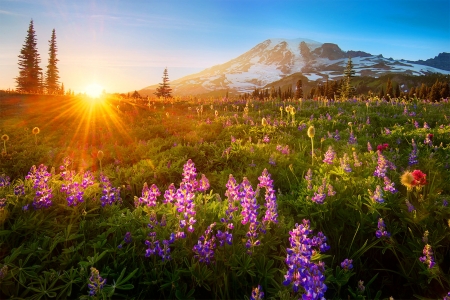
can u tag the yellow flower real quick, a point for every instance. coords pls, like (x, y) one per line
(36, 130)
(264, 122)
(407, 179)
(5, 137)
(311, 131)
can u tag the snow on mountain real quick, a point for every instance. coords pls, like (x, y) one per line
(274, 59)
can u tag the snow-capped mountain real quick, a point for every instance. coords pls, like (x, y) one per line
(274, 59)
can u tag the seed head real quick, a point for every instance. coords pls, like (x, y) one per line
(100, 154)
(35, 130)
(5, 137)
(311, 131)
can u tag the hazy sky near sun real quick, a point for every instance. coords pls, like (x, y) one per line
(125, 45)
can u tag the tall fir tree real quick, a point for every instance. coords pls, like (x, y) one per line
(389, 88)
(299, 89)
(347, 90)
(164, 89)
(52, 74)
(30, 76)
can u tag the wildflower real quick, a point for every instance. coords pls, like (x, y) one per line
(204, 250)
(425, 237)
(3, 271)
(96, 282)
(329, 156)
(347, 264)
(337, 136)
(311, 131)
(428, 256)
(378, 195)
(257, 293)
(361, 287)
(389, 185)
(272, 161)
(382, 166)
(19, 190)
(352, 138)
(203, 184)
(369, 147)
(266, 139)
(428, 139)
(382, 147)
(40, 177)
(407, 180)
(356, 160)
(35, 130)
(302, 272)
(425, 125)
(387, 131)
(344, 161)
(4, 181)
(381, 229)
(110, 194)
(266, 182)
(264, 122)
(420, 179)
(5, 137)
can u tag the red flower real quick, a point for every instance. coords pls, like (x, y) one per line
(382, 147)
(430, 136)
(419, 178)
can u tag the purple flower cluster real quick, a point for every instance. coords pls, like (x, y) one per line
(302, 272)
(356, 163)
(322, 192)
(127, 239)
(382, 166)
(96, 282)
(369, 147)
(381, 229)
(203, 184)
(428, 256)
(149, 196)
(186, 208)
(329, 156)
(283, 149)
(413, 156)
(110, 194)
(257, 293)
(204, 250)
(19, 190)
(377, 196)
(347, 264)
(169, 194)
(389, 185)
(352, 138)
(411, 208)
(4, 181)
(302, 126)
(73, 189)
(266, 182)
(345, 163)
(266, 139)
(2, 203)
(40, 178)
(153, 245)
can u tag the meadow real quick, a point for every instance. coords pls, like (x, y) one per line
(224, 199)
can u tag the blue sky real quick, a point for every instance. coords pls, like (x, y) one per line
(125, 45)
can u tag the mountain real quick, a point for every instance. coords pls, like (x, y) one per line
(274, 59)
(442, 61)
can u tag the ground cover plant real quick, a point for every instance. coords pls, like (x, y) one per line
(224, 199)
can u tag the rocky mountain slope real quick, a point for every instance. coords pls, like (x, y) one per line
(275, 59)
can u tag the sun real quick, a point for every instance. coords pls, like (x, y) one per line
(94, 90)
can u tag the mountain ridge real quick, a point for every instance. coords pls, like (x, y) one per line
(274, 59)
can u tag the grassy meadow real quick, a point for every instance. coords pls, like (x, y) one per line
(224, 199)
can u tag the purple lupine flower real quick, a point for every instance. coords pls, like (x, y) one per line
(4, 181)
(40, 178)
(447, 297)
(413, 156)
(266, 139)
(88, 179)
(369, 147)
(428, 139)
(248, 202)
(345, 164)
(226, 152)
(19, 190)
(410, 206)
(190, 174)
(382, 166)
(425, 125)
(387, 131)
(75, 193)
(185, 206)
(2, 203)
(381, 229)
(302, 272)
(283, 149)
(329, 156)
(204, 250)
(110, 194)
(416, 124)
(169, 194)
(272, 161)
(233, 139)
(337, 136)
(203, 184)
(347, 264)
(266, 182)
(321, 194)
(149, 195)
(96, 282)
(232, 189)
(352, 138)
(308, 178)
(257, 293)
(302, 126)
(368, 121)
(361, 287)
(428, 256)
(377, 196)
(389, 185)
(127, 239)
(444, 203)
(357, 163)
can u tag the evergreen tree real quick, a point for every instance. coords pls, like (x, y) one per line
(61, 89)
(164, 89)
(389, 89)
(397, 92)
(29, 79)
(52, 74)
(299, 89)
(346, 88)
